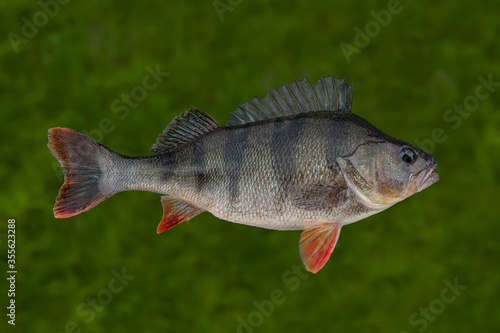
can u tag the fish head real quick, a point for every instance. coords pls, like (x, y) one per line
(382, 173)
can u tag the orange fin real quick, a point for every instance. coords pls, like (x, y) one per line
(317, 244)
(174, 212)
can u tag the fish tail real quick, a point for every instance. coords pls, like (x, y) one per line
(83, 161)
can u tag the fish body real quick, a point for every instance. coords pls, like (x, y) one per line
(295, 160)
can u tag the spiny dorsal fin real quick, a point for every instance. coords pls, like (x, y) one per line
(190, 125)
(329, 94)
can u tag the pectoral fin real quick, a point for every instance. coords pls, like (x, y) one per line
(317, 196)
(353, 177)
(365, 190)
(317, 244)
(174, 212)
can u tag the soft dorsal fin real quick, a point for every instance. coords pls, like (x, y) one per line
(190, 125)
(329, 94)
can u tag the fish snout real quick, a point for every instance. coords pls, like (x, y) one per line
(429, 175)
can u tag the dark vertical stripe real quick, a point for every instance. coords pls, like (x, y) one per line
(338, 137)
(285, 136)
(236, 144)
(200, 165)
(168, 166)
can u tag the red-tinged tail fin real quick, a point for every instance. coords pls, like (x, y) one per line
(176, 211)
(317, 244)
(82, 159)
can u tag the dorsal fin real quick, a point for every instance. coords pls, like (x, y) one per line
(329, 94)
(190, 125)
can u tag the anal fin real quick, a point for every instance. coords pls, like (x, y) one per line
(176, 211)
(317, 244)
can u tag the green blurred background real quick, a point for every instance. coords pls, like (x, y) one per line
(209, 275)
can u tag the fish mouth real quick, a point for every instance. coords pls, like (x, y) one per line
(426, 177)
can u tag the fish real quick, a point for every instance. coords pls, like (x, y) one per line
(298, 159)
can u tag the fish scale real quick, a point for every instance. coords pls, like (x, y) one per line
(296, 160)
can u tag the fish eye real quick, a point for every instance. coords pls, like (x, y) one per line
(407, 155)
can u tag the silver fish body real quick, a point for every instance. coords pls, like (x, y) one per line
(296, 160)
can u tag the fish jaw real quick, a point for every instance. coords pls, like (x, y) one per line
(431, 179)
(425, 178)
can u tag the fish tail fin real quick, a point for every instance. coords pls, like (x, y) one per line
(83, 161)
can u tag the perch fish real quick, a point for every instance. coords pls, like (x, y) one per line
(297, 159)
